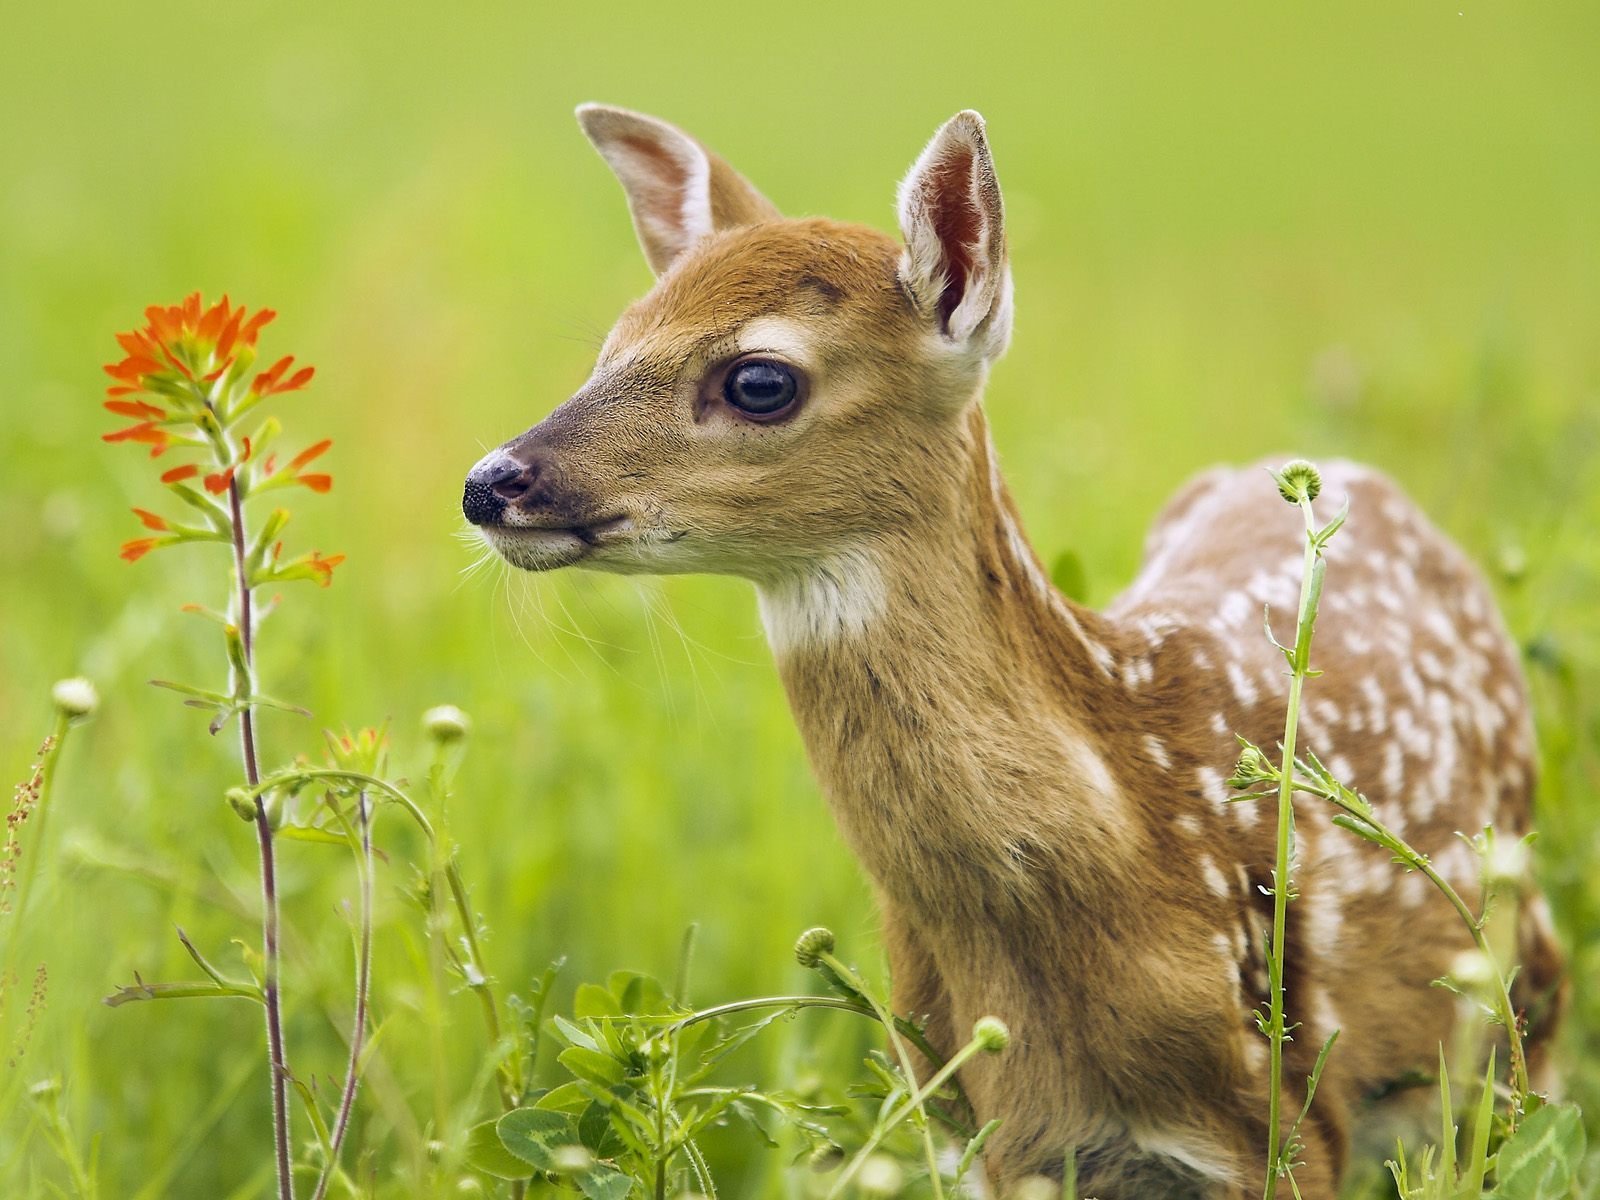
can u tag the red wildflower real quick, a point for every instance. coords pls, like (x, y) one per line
(183, 341)
(146, 431)
(152, 520)
(323, 566)
(179, 474)
(271, 381)
(317, 483)
(218, 482)
(310, 454)
(135, 550)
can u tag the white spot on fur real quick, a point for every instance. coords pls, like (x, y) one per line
(1189, 824)
(1244, 690)
(1192, 1150)
(1215, 879)
(834, 598)
(1157, 750)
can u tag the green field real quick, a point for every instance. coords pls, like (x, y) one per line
(1372, 230)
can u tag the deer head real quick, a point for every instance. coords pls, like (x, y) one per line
(787, 392)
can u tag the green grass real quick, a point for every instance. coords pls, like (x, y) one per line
(1236, 231)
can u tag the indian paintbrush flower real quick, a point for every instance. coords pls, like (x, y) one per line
(186, 381)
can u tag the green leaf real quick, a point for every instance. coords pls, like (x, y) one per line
(596, 1131)
(592, 1065)
(1540, 1161)
(569, 1097)
(573, 1035)
(593, 1000)
(604, 1183)
(488, 1154)
(532, 1134)
(1068, 575)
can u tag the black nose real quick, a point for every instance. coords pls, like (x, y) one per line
(496, 479)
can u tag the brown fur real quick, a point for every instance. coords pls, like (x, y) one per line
(1035, 788)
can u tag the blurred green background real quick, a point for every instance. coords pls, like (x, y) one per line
(1371, 230)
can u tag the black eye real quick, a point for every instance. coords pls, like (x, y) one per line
(760, 387)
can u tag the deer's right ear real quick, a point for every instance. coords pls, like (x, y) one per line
(678, 191)
(954, 265)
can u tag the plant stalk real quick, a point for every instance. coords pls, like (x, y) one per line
(1281, 883)
(270, 953)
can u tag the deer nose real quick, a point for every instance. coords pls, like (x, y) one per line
(497, 479)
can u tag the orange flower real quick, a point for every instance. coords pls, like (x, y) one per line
(135, 550)
(179, 474)
(320, 484)
(183, 342)
(218, 483)
(323, 566)
(271, 381)
(152, 520)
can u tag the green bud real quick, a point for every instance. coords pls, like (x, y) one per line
(242, 802)
(75, 698)
(1472, 971)
(446, 723)
(826, 1158)
(1252, 768)
(991, 1034)
(880, 1175)
(1298, 479)
(45, 1090)
(571, 1160)
(812, 945)
(1505, 863)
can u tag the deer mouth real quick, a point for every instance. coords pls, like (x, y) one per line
(550, 547)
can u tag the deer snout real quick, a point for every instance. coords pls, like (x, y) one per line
(494, 482)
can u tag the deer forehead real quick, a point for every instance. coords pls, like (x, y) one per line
(825, 276)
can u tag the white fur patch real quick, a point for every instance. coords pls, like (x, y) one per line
(836, 597)
(775, 336)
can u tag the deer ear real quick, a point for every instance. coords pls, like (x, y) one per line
(951, 217)
(678, 191)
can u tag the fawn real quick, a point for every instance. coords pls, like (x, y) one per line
(1037, 789)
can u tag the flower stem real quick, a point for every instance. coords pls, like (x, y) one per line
(1281, 883)
(358, 1029)
(270, 955)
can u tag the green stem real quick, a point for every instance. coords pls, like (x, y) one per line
(887, 1020)
(916, 1100)
(1281, 882)
(50, 753)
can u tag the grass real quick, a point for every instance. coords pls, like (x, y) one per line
(1238, 231)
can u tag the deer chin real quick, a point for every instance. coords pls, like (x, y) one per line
(549, 548)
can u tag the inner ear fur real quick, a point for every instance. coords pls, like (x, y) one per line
(953, 222)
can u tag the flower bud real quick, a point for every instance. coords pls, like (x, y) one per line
(45, 1090)
(1299, 478)
(571, 1160)
(75, 698)
(880, 1175)
(1472, 971)
(812, 945)
(242, 802)
(1505, 864)
(826, 1158)
(446, 723)
(1252, 768)
(991, 1034)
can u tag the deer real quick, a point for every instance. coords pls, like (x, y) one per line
(1036, 789)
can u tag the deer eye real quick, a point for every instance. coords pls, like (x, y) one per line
(760, 387)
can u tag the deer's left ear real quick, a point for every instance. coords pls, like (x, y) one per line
(953, 222)
(678, 191)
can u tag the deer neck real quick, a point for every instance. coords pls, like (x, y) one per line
(954, 705)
